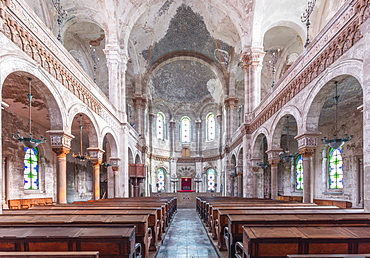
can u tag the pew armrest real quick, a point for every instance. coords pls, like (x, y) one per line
(227, 236)
(239, 250)
(137, 250)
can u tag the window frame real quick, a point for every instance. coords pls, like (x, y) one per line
(184, 118)
(208, 139)
(37, 167)
(162, 124)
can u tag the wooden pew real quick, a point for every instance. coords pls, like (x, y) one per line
(50, 254)
(234, 231)
(274, 242)
(161, 214)
(340, 203)
(153, 221)
(27, 203)
(329, 256)
(143, 234)
(110, 242)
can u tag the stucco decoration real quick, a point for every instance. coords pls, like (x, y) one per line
(185, 82)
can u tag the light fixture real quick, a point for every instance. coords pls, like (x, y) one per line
(80, 155)
(62, 14)
(263, 165)
(105, 163)
(336, 143)
(95, 61)
(29, 142)
(305, 17)
(272, 63)
(286, 155)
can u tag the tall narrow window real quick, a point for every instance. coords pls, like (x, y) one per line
(211, 130)
(299, 172)
(335, 168)
(185, 129)
(160, 179)
(211, 179)
(31, 168)
(160, 126)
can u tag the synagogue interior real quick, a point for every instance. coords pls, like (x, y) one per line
(185, 102)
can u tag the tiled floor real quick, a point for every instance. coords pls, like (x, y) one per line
(186, 238)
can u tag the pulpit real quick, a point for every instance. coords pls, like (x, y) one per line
(137, 175)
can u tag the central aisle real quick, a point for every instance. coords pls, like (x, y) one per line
(186, 238)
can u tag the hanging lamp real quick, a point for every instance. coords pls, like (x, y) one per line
(336, 142)
(29, 142)
(286, 155)
(80, 156)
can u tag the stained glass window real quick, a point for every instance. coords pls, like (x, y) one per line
(160, 126)
(299, 172)
(31, 168)
(210, 127)
(335, 168)
(185, 129)
(160, 179)
(211, 179)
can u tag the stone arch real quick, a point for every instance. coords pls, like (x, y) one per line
(91, 125)
(111, 138)
(41, 83)
(136, 12)
(316, 97)
(130, 156)
(278, 123)
(137, 159)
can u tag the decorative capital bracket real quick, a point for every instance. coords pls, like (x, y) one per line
(274, 156)
(96, 155)
(308, 140)
(60, 141)
(115, 163)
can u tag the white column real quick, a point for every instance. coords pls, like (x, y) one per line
(60, 142)
(112, 179)
(113, 60)
(252, 64)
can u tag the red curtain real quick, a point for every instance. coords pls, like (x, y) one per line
(186, 183)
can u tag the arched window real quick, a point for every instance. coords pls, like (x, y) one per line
(211, 129)
(299, 172)
(160, 179)
(335, 168)
(160, 126)
(211, 179)
(185, 129)
(31, 168)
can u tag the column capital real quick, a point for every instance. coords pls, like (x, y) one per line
(253, 56)
(96, 155)
(172, 123)
(274, 156)
(307, 141)
(231, 101)
(60, 141)
(115, 163)
(139, 100)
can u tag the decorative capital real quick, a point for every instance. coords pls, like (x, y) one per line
(231, 102)
(307, 140)
(139, 100)
(61, 152)
(96, 155)
(253, 57)
(60, 139)
(255, 169)
(115, 163)
(274, 156)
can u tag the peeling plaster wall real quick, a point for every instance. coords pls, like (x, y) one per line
(13, 153)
